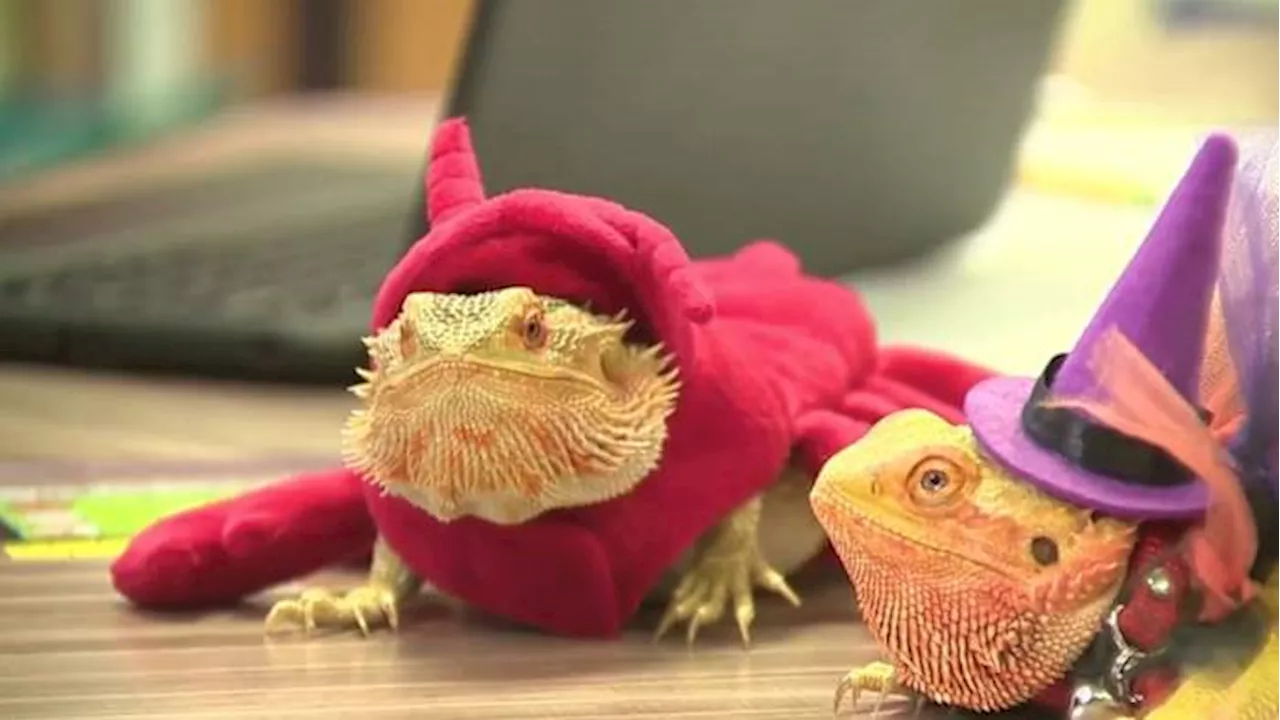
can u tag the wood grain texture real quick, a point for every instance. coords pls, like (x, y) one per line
(70, 415)
(69, 648)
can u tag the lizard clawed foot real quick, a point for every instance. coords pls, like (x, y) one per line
(878, 677)
(362, 607)
(713, 581)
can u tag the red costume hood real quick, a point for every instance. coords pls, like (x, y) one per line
(573, 247)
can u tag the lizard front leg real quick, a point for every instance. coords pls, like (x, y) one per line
(726, 567)
(389, 584)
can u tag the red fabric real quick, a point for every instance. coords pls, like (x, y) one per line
(223, 552)
(1147, 620)
(772, 363)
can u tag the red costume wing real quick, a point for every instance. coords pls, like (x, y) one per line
(825, 333)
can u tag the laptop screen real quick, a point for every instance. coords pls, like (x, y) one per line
(855, 133)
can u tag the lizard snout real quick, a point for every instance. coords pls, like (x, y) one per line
(844, 483)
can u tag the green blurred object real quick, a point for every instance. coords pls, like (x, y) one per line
(127, 514)
(103, 514)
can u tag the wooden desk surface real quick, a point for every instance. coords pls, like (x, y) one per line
(69, 648)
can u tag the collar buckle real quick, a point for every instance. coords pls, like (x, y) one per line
(1127, 661)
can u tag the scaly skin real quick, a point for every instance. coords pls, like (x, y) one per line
(504, 405)
(941, 547)
(980, 589)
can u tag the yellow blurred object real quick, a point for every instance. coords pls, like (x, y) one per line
(1130, 96)
(1117, 153)
(1105, 161)
(1202, 71)
(47, 550)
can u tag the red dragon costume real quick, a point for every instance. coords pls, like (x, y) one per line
(776, 367)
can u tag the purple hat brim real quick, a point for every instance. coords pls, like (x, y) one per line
(994, 412)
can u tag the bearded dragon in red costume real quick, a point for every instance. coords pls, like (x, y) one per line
(1101, 540)
(562, 415)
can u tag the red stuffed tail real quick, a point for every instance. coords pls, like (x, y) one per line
(904, 377)
(941, 380)
(220, 553)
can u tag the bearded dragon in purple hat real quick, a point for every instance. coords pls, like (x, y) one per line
(1100, 540)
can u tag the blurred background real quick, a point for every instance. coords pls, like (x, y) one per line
(165, 163)
(215, 188)
(71, 68)
(158, 52)
(78, 77)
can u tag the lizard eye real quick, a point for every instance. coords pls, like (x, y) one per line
(533, 329)
(935, 481)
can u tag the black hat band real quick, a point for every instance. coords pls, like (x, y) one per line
(1093, 447)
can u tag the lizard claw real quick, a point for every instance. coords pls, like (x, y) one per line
(704, 593)
(317, 608)
(878, 677)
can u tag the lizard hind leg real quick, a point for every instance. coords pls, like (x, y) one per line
(726, 568)
(376, 602)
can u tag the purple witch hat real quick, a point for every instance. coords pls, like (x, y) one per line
(1161, 303)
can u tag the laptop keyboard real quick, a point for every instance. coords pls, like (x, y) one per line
(261, 245)
(267, 272)
(307, 272)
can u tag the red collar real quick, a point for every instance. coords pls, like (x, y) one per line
(1154, 603)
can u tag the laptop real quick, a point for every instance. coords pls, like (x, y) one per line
(859, 134)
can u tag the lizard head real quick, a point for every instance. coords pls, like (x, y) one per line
(1014, 582)
(506, 404)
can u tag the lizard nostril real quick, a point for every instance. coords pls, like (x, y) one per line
(875, 487)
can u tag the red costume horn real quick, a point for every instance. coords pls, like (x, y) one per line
(453, 175)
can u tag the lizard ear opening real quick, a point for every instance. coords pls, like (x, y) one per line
(1044, 550)
(407, 337)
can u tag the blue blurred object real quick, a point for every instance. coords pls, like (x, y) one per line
(34, 135)
(37, 135)
(81, 76)
(1184, 14)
